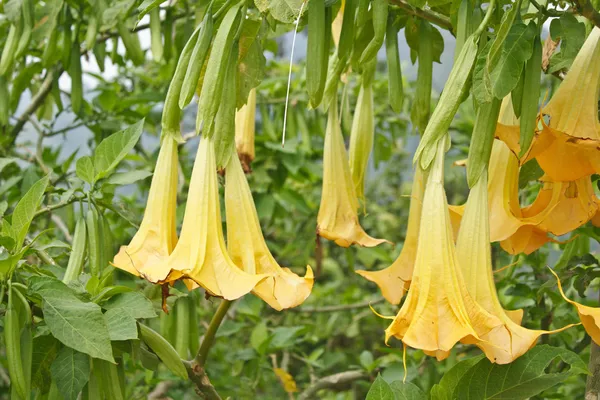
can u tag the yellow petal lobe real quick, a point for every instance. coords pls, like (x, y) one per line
(244, 130)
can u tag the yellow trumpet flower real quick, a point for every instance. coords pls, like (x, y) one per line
(338, 217)
(200, 254)
(157, 235)
(438, 310)
(573, 110)
(394, 280)
(568, 147)
(506, 343)
(589, 316)
(572, 204)
(361, 138)
(515, 233)
(248, 250)
(244, 131)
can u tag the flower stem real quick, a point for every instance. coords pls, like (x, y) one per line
(209, 337)
(486, 18)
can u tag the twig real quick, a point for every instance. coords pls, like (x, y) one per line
(35, 103)
(433, 17)
(334, 382)
(60, 224)
(52, 207)
(209, 337)
(197, 374)
(345, 307)
(160, 390)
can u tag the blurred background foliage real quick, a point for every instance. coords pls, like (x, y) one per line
(334, 331)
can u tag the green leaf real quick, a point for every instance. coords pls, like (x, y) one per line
(413, 38)
(5, 161)
(516, 50)
(134, 304)
(129, 177)
(26, 208)
(407, 391)
(75, 323)
(84, 168)
(444, 389)
(121, 326)
(114, 148)
(571, 34)
(146, 7)
(45, 349)
(259, 337)
(530, 171)
(496, 45)
(380, 390)
(70, 371)
(522, 379)
(285, 11)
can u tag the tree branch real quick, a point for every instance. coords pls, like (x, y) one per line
(344, 307)
(35, 103)
(433, 17)
(585, 8)
(197, 374)
(334, 382)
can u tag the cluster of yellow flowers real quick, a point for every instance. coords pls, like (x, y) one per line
(200, 256)
(445, 264)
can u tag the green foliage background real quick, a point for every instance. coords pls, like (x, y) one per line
(334, 331)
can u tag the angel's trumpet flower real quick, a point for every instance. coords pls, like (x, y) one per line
(248, 250)
(200, 254)
(573, 111)
(338, 217)
(589, 316)
(244, 131)
(571, 205)
(361, 138)
(438, 310)
(157, 235)
(506, 343)
(395, 279)
(568, 147)
(515, 233)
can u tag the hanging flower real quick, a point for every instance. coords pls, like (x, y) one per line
(361, 137)
(244, 131)
(568, 147)
(248, 250)
(438, 310)
(157, 235)
(338, 218)
(200, 254)
(506, 343)
(573, 111)
(516, 233)
(394, 280)
(589, 316)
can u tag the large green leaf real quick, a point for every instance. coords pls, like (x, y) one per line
(75, 323)
(45, 349)
(407, 391)
(121, 326)
(517, 49)
(114, 148)
(571, 34)
(84, 168)
(26, 208)
(522, 379)
(70, 371)
(134, 304)
(444, 389)
(380, 390)
(285, 11)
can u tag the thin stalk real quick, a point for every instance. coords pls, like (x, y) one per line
(209, 337)
(486, 18)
